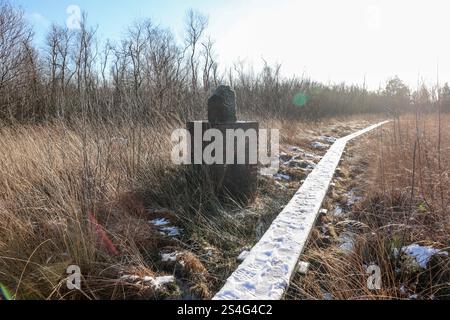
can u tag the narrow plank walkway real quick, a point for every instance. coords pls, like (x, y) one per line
(266, 272)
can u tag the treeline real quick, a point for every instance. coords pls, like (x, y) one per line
(149, 75)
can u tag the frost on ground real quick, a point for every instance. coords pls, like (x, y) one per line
(328, 139)
(165, 229)
(280, 176)
(160, 222)
(338, 211)
(422, 254)
(346, 241)
(169, 257)
(319, 145)
(160, 281)
(155, 282)
(171, 231)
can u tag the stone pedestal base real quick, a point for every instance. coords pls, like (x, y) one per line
(236, 181)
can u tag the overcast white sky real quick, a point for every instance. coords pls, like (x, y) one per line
(344, 40)
(328, 40)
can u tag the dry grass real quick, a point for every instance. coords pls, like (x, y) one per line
(85, 194)
(52, 177)
(406, 200)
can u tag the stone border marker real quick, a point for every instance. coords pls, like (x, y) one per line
(238, 181)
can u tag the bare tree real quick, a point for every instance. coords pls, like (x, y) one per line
(138, 38)
(149, 75)
(196, 24)
(58, 46)
(85, 55)
(15, 39)
(209, 66)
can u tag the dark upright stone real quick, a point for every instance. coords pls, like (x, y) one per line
(222, 106)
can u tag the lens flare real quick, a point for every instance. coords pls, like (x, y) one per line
(300, 99)
(4, 293)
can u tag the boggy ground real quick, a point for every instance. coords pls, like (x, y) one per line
(107, 199)
(388, 207)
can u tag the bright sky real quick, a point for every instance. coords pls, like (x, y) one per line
(327, 40)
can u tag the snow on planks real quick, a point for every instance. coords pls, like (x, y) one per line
(267, 270)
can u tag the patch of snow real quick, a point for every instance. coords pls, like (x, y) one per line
(328, 296)
(169, 257)
(160, 222)
(305, 164)
(303, 267)
(267, 171)
(148, 280)
(243, 255)
(319, 145)
(328, 139)
(281, 176)
(338, 211)
(159, 281)
(165, 228)
(165, 280)
(346, 241)
(422, 254)
(171, 231)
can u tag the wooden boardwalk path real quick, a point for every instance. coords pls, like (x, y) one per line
(266, 272)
